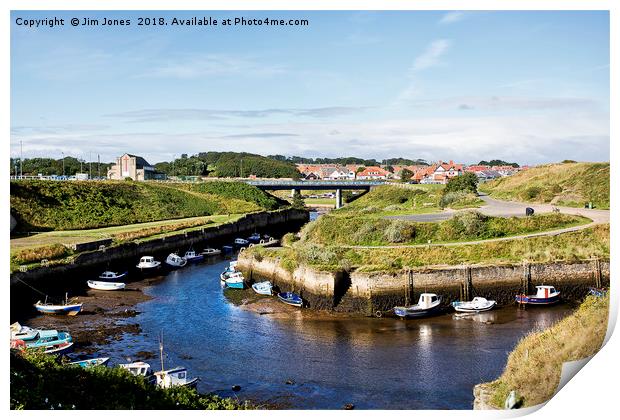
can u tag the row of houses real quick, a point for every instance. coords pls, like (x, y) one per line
(435, 173)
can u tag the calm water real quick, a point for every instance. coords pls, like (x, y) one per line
(373, 363)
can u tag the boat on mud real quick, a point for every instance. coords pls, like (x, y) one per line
(263, 288)
(191, 256)
(428, 304)
(105, 285)
(137, 368)
(67, 308)
(208, 252)
(51, 342)
(291, 298)
(111, 275)
(545, 295)
(174, 261)
(148, 263)
(477, 304)
(254, 238)
(22, 332)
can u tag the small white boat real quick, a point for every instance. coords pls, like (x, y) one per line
(239, 242)
(174, 377)
(263, 288)
(22, 332)
(175, 261)
(111, 275)
(138, 368)
(105, 285)
(232, 266)
(191, 256)
(478, 304)
(207, 252)
(148, 263)
(428, 304)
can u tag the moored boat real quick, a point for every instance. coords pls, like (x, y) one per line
(51, 342)
(428, 304)
(263, 288)
(105, 285)
(254, 238)
(227, 249)
(137, 368)
(67, 308)
(191, 256)
(240, 242)
(87, 363)
(174, 261)
(477, 304)
(545, 295)
(148, 263)
(111, 275)
(174, 377)
(22, 332)
(291, 298)
(208, 252)
(235, 281)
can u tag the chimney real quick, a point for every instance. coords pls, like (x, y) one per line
(451, 162)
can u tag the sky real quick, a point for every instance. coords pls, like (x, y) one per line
(523, 86)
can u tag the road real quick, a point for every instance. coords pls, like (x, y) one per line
(502, 208)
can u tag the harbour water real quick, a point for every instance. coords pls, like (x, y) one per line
(321, 362)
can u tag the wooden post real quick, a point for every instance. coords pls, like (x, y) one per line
(527, 277)
(598, 275)
(410, 286)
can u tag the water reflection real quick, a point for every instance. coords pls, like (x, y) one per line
(372, 363)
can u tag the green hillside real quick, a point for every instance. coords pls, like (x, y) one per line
(54, 205)
(391, 199)
(567, 184)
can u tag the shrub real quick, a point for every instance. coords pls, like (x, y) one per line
(289, 239)
(398, 231)
(31, 255)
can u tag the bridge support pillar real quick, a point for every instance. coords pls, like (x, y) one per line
(293, 191)
(338, 198)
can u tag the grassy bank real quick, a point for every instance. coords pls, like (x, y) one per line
(568, 184)
(40, 382)
(533, 368)
(333, 229)
(572, 246)
(69, 205)
(391, 199)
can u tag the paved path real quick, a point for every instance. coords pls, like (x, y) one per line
(501, 208)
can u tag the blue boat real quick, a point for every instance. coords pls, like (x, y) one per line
(545, 295)
(291, 298)
(254, 238)
(87, 363)
(428, 304)
(51, 342)
(235, 281)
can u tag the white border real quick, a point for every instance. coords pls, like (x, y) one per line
(592, 394)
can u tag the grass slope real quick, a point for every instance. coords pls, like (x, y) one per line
(572, 246)
(390, 199)
(533, 368)
(464, 226)
(568, 184)
(40, 382)
(51, 205)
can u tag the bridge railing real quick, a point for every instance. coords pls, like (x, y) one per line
(302, 184)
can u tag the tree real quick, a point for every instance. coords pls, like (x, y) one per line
(298, 202)
(466, 182)
(405, 175)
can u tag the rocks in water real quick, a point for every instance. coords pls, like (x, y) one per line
(289, 382)
(348, 406)
(236, 388)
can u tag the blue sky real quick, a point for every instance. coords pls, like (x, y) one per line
(530, 87)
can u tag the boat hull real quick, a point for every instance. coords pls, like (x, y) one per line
(262, 289)
(235, 285)
(466, 307)
(120, 276)
(292, 300)
(533, 300)
(421, 313)
(105, 285)
(195, 259)
(70, 310)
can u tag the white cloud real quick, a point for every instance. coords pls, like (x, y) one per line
(430, 57)
(452, 17)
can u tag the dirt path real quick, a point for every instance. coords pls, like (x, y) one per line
(501, 208)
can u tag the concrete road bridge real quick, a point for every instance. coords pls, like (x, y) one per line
(297, 186)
